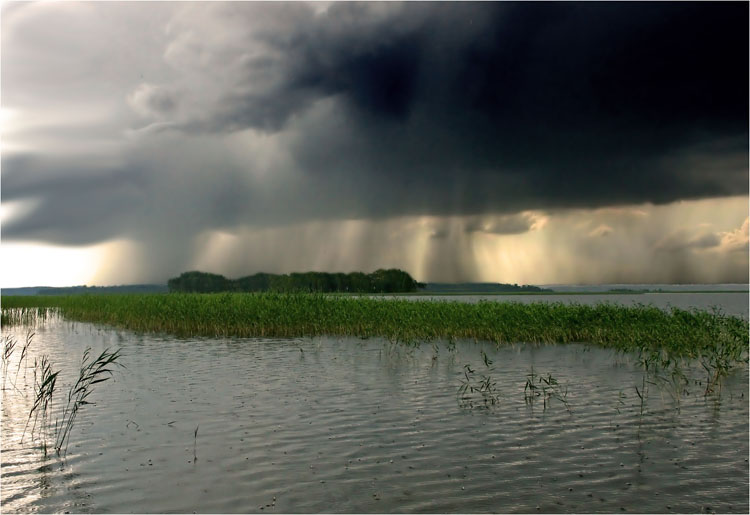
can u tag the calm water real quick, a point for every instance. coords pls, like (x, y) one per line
(329, 425)
(730, 303)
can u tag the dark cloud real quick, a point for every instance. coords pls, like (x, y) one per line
(514, 106)
(233, 116)
(72, 204)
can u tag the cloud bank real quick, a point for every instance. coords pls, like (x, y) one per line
(160, 125)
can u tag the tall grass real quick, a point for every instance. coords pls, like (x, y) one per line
(25, 315)
(718, 341)
(294, 315)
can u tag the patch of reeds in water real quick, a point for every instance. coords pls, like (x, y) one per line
(478, 389)
(294, 315)
(93, 370)
(716, 340)
(25, 315)
(546, 388)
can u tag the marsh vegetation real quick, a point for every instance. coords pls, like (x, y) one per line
(661, 337)
(93, 370)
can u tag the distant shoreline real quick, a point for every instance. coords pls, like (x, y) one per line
(548, 293)
(162, 289)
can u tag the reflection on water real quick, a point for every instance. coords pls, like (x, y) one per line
(328, 425)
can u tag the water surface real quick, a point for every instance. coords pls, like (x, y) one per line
(356, 426)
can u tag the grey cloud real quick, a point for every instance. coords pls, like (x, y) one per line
(154, 101)
(76, 205)
(705, 241)
(229, 116)
(442, 109)
(508, 224)
(682, 240)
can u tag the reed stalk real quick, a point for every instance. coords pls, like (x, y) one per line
(9, 345)
(44, 387)
(24, 354)
(92, 371)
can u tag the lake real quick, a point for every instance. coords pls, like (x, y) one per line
(358, 426)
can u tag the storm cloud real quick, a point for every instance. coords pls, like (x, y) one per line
(162, 125)
(513, 105)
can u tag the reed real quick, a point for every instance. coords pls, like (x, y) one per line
(715, 339)
(552, 389)
(544, 387)
(44, 388)
(478, 389)
(92, 371)
(25, 315)
(195, 444)
(9, 345)
(24, 354)
(530, 389)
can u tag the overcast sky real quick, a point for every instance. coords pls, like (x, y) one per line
(510, 142)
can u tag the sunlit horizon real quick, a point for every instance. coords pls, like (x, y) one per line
(140, 141)
(498, 258)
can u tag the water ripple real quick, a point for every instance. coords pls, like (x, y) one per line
(365, 426)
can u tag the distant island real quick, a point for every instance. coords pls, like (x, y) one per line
(380, 281)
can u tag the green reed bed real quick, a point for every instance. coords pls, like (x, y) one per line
(24, 314)
(682, 333)
(663, 342)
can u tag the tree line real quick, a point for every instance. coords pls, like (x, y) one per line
(380, 281)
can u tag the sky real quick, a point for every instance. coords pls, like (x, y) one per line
(532, 143)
